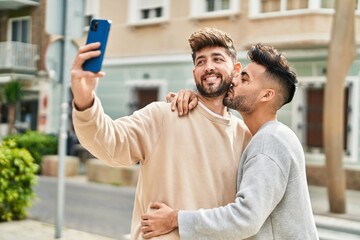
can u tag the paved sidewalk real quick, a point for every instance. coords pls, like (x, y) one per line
(33, 230)
(320, 203)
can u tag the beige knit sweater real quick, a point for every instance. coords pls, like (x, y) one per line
(187, 162)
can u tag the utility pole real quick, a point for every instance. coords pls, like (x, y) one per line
(341, 55)
(64, 22)
(63, 122)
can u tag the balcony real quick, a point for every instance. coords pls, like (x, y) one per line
(17, 57)
(17, 4)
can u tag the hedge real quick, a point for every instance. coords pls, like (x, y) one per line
(18, 177)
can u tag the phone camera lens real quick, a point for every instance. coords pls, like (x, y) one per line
(94, 26)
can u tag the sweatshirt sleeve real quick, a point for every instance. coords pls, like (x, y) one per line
(262, 186)
(119, 142)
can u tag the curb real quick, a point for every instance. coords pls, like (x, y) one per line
(338, 224)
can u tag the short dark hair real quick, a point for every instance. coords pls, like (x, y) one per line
(276, 67)
(211, 37)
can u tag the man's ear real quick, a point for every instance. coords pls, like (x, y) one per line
(268, 94)
(237, 69)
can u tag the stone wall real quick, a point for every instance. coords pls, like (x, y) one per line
(98, 171)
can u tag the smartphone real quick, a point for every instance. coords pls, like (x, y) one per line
(98, 32)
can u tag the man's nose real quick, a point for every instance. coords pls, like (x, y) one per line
(209, 66)
(234, 80)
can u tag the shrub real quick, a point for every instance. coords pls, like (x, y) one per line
(18, 176)
(38, 144)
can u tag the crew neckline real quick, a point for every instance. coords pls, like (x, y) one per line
(214, 116)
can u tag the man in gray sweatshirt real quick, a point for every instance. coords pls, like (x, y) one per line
(272, 200)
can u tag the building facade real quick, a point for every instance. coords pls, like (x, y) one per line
(32, 53)
(148, 55)
(22, 44)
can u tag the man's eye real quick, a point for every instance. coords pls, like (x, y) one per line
(200, 62)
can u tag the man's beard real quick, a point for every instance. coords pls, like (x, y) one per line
(212, 92)
(239, 103)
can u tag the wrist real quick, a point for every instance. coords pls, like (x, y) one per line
(82, 105)
(174, 219)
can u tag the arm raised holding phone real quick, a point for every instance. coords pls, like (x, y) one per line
(83, 83)
(88, 62)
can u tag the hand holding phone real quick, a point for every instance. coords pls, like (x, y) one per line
(98, 32)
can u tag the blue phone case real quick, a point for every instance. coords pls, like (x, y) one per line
(98, 32)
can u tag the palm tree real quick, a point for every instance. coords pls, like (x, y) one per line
(12, 94)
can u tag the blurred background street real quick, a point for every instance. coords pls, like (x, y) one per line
(91, 207)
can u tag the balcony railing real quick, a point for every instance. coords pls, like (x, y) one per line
(17, 56)
(17, 4)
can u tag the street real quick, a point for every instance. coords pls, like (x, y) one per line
(91, 207)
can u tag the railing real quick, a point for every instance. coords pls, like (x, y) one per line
(18, 56)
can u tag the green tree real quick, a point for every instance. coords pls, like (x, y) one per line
(12, 93)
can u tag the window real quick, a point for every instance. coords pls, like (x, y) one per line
(151, 9)
(270, 6)
(151, 13)
(147, 11)
(91, 10)
(144, 91)
(214, 8)
(276, 6)
(308, 106)
(297, 4)
(20, 30)
(217, 5)
(314, 117)
(327, 4)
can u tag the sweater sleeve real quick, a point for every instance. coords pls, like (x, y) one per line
(262, 186)
(119, 142)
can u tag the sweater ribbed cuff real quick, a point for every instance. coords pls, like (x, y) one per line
(186, 222)
(87, 114)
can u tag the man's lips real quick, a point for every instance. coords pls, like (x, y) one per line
(211, 78)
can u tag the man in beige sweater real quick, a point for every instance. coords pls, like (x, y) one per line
(188, 163)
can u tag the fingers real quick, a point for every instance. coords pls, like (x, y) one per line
(84, 53)
(159, 223)
(155, 205)
(89, 47)
(180, 102)
(174, 103)
(148, 235)
(146, 230)
(193, 103)
(169, 96)
(183, 101)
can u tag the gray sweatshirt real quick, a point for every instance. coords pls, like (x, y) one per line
(272, 200)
